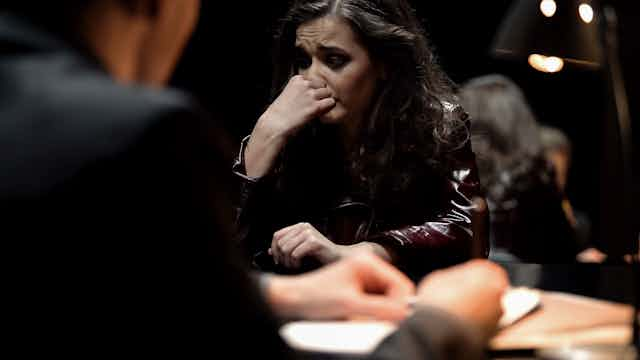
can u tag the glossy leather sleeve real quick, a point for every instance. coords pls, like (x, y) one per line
(447, 237)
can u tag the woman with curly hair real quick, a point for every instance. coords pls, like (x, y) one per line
(363, 148)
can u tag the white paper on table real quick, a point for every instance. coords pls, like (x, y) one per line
(516, 303)
(352, 337)
(362, 337)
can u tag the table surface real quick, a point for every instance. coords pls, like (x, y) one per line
(610, 283)
(603, 307)
(606, 282)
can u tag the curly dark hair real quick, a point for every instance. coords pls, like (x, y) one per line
(407, 127)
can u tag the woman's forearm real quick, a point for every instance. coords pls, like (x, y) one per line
(262, 149)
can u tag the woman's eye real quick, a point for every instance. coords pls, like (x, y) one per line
(301, 62)
(336, 61)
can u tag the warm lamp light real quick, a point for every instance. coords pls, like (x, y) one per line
(586, 13)
(548, 7)
(548, 64)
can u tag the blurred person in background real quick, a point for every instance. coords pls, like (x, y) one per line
(558, 151)
(528, 222)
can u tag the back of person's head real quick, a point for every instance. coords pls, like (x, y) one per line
(505, 133)
(135, 40)
(557, 149)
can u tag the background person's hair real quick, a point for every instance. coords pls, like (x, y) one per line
(407, 118)
(554, 139)
(505, 134)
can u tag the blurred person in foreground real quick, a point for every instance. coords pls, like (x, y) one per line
(114, 208)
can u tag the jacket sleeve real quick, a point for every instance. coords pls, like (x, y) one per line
(254, 224)
(447, 237)
(246, 184)
(431, 334)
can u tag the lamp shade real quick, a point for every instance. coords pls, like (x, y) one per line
(566, 29)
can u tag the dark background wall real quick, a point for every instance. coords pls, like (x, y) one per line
(227, 66)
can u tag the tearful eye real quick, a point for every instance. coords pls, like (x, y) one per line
(301, 61)
(336, 61)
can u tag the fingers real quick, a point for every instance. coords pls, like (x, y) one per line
(324, 100)
(378, 276)
(292, 244)
(302, 100)
(303, 249)
(285, 240)
(380, 307)
(312, 83)
(471, 291)
(276, 250)
(486, 270)
(479, 272)
(323, 106)
(315, 83)
(385, 289)
(285, 230)
(288, 244)
(321, 93)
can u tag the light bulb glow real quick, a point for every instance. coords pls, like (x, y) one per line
(548, 64)
(586, 12)
(548, 7)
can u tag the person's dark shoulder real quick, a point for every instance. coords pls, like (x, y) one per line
(93, 101)
(63, 113)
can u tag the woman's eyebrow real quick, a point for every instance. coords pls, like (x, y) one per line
(328, 48)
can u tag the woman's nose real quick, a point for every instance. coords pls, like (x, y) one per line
(313, 72)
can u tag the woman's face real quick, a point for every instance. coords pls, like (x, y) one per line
(329, 51)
